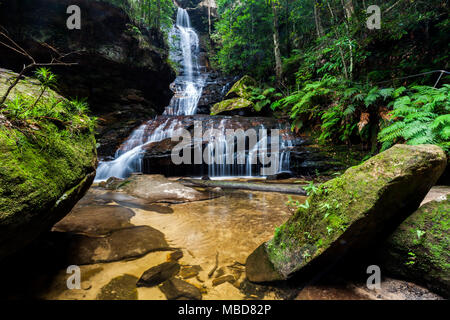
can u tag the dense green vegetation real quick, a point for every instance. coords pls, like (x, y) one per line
(339, 77)
(154, 13)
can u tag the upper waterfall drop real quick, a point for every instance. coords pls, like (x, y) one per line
(188, 86)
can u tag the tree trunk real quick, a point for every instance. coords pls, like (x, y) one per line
(158, 14)
(288, 35)
(276, 43)
(349, 11)
(341, 52)
(319, 28)
(209, 18)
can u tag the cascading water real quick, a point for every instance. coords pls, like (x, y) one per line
(188, 88)
(230, 163)
(189, 84)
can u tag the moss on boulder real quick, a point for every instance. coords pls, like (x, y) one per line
(231, 105)
(242, 88)
(350, 212)
(419, 249)
(237, 99)
(45, 168)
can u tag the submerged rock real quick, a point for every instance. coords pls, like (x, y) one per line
(176, 289)
(349, 213)
(419, 249)
(120, 288)
(188, 272)
(220, 280)
(175, 256)
(156, 275)
(157, 188)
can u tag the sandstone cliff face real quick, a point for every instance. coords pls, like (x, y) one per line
(122, 69)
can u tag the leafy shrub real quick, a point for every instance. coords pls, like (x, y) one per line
(421, 115)
(347, 112)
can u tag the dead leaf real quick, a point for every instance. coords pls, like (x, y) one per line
(363, 121)
(385, 114)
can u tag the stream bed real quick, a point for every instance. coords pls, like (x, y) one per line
(228, 227)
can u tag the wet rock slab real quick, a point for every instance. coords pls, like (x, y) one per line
(126, 200)
(158, 274)
(157, 188)
(95, 220)
(176, 289)
(123, 244)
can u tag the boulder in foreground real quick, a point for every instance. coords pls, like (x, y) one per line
(419, 249)
(350, 212)
(45, 168)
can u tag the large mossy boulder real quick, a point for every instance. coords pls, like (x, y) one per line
(349, 213)
(419, 249)
(242, 88)
(237, 99)
(46, 166)
(231, 105)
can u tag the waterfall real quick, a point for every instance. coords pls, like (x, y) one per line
(188, 88)
(229, 163)
(129, 156)
(189, 84)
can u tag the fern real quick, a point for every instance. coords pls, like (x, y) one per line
(421, 116)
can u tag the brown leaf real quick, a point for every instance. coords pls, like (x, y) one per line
(363, 121)
(385, 114)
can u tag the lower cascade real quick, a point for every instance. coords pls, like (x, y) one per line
(221, 158)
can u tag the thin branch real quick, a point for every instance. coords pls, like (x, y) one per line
(14, 46)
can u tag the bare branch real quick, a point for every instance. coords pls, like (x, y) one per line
(14, 46)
